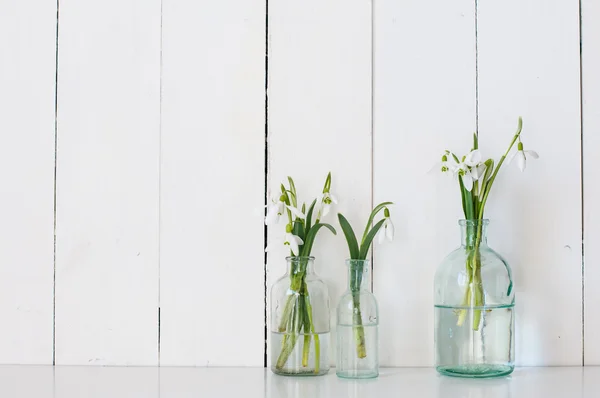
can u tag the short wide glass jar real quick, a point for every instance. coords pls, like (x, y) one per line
(300, 325)
(474, 303)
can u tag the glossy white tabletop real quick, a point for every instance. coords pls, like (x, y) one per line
(84, 382)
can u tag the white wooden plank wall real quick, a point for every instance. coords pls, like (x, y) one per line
(532, 69)
(27, 76)
(424, 103)
(320, 120)
(212, 185)
(107, 182)
(161, 167)
(591, 183)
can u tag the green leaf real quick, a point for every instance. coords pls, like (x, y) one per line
(311, 235)
(489, 169)
(327, 186)
(467, 201)
(462, 196)
(364, 248)
(284, 193)
(293, 189)
(309, 215)
(376, 210)
(298, 230)
(350, 237)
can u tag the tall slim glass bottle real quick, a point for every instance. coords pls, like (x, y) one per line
(357, 325)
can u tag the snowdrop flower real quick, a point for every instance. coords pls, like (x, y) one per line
(470, 169)
(289, 239)
(387, 229)
(275, 210)
(324, 204)
(521, 157)
(292, 240)
(474, 158)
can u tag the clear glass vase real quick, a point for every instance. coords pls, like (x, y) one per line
(474, 309)
(357, 326)
(300, 326)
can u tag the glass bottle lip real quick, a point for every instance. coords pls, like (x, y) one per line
(474, 223)
(300, 258)
(350, 261)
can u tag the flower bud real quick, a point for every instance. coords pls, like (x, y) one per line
(282, 198)
(288, 228)
(520, 146)
(386, 212)
(444, 158)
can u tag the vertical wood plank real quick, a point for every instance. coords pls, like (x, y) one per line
(107, 182)
(529, 66)
(591, 149)
(320, 120)
(27, 79)
(212, 183)
(424, 103)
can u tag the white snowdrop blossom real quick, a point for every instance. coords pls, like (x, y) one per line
(521, 157)
(275, 210)
(473, 159)
(387, 229)
(470, 169)
(292, 240)
(324, 204)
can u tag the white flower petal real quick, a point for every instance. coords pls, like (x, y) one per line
(333, 198)
(293, 247)
(389, 230)
(533, 154)
(280, 208)
(478, 171)
(468, 181)
(326, 208)
(473, 158)
(521, 161)
(296, 212)
(272, 217)
(381, 235)
(298, 239)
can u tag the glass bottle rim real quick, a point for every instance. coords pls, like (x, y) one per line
(473, 223)
(351, 261)
(300, 258)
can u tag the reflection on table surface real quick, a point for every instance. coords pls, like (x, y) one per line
(107, 382)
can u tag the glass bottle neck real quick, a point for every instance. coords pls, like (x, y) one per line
(359, 275)
(473, 232)
(301, 265)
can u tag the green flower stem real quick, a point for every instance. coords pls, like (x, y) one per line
(474, 295)
(359, 330)
(312, 331)
(296, 318)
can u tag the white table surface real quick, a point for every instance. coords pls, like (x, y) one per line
(83, 382)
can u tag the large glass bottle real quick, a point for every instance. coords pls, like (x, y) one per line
(357, 325)
(474, 309)
(300, 321)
